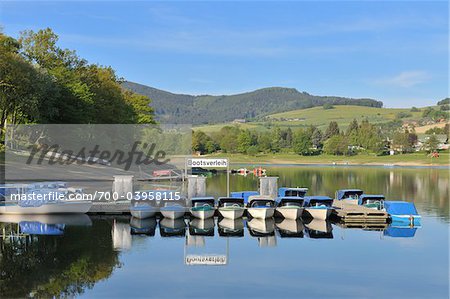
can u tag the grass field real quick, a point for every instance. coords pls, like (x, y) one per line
(413, 159)
(320, 117)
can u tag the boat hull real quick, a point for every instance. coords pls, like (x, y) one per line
(232, 213)
(142, 214)
(318, 213)
(172, 214)
(73, 207)
(410, 220)
(289, 212)
(204, 214)
(261, 213)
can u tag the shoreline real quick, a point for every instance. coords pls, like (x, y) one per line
(406, 161)
(394, 165)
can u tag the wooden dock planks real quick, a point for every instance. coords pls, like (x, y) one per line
(351, 213)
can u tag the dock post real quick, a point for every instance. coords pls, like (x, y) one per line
(122, 187)
(196, 186)
(268, 186)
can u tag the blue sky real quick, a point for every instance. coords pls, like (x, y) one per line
(396, 52)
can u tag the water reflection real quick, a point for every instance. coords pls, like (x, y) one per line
(46, 256)
(231, 227)
(289, 228)
(65, 256)
(172, 227)
(143, 226)
(319, 229)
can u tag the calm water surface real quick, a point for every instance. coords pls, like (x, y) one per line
(99, 257)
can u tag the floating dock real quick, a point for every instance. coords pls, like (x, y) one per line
(110, 207)
(356, 214)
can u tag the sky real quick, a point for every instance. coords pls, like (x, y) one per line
(396, 52)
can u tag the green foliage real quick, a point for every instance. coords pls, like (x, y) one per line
(445, 101)
(43, 83)
(332, 130)
(431, 144)
(327, 106)
(445, 107)
(415, 109)
(336, 145)
(302, 144)
(434, 114)
(404, 141)
(403, 115)
(206, 109)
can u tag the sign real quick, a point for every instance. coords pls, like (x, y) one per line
(209, 260)
(215, 163)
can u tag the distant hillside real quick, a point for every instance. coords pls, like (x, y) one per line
(320, 118)
(206, 109)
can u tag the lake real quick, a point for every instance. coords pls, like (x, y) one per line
(97, 256)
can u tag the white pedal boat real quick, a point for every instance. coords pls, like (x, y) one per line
(231, 207)
(260, 207)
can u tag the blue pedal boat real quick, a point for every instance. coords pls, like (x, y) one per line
(349, 195)
(372, 201)
(292, 192)
(402, 213)
(318, 207)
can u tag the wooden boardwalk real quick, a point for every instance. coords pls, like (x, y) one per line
(351, 213)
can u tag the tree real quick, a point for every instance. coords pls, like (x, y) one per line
(316, 138)
(403, 141)
(352, 127)
(336, 145)
(302, 144)
(244, 141)
(332, 130)
(415, 109)
(432, 143)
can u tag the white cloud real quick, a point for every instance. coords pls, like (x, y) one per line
(406, 79)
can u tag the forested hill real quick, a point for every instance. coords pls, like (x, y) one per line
(204, 109)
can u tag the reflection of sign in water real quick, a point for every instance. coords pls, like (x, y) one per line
(210, 260)
(217, 163)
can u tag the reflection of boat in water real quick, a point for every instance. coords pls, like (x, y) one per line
(201, 227)
(290, 228)
(260, 206)
(372, 201)
(68, 220)
(202, 207)
(172, 211)
(318, 207)
(143, 226)
(261, 227)
(172, 227)
(231, 227)
(231, 207)
(264, 230)
(403, 213)
(349, 195)
(400, 232)
(319, 229)
(53, 225)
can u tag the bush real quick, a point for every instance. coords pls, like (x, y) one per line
(403, 115)
(327, 106)
(415, 109)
